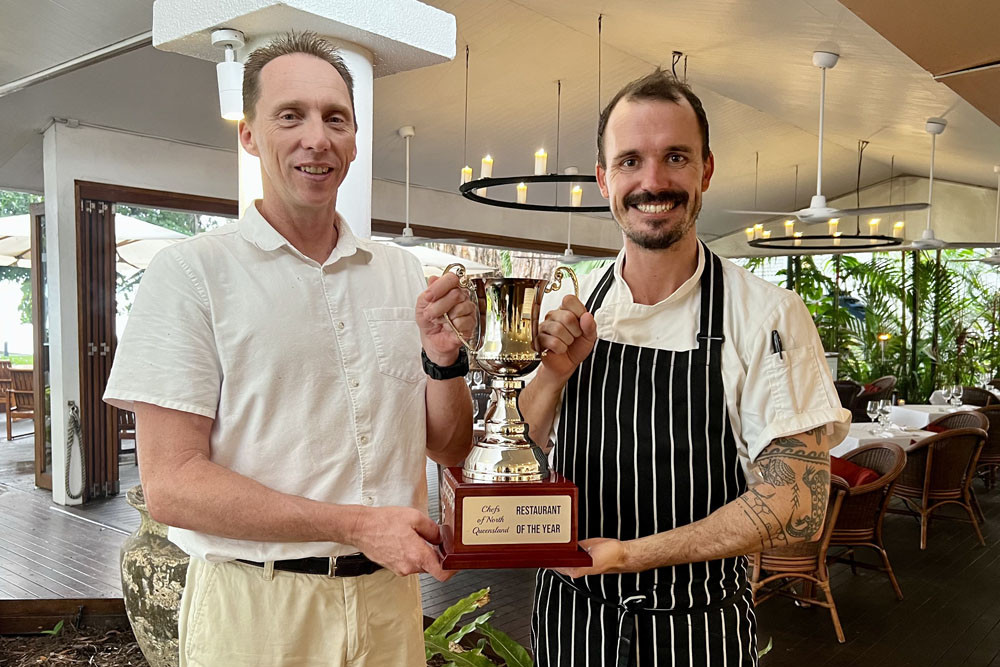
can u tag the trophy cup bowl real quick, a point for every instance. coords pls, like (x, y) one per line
(505, 508)
(506, 348)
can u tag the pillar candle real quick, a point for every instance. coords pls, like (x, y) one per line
(540, 158)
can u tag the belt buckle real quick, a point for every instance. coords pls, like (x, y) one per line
(332, 571)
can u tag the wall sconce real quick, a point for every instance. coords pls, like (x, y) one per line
(230, 73)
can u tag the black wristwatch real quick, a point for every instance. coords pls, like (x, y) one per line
(456, 370)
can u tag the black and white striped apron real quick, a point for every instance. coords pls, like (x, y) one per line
(645, 434)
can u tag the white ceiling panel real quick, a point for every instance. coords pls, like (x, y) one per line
(38, 34)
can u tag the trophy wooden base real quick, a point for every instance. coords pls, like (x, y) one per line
(488, 525)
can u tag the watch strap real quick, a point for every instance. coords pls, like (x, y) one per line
(458, 369)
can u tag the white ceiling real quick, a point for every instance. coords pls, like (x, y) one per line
(749, 62)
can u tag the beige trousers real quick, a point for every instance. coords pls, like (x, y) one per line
(236, 615)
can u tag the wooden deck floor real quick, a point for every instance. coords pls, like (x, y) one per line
(950, 614)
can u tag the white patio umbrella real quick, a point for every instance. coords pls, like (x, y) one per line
(136, 240)
(434, 261)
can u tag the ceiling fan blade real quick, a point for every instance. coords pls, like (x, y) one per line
(892, 208)
(972, 244)
(408, 241)
(764, 212)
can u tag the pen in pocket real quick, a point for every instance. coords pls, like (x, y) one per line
(776, 344)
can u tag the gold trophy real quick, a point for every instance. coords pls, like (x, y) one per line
(505, 507)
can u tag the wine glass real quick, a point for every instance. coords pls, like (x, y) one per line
(956, 395)
(872, 411)
(946, 394)
(884, 409)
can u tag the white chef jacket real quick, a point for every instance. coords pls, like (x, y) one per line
(311, 371)
(768, 395)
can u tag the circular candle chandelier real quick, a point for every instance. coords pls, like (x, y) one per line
(478, 190)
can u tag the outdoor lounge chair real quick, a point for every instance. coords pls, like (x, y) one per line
(20, 397)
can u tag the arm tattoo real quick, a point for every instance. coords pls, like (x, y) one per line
(775, 471)
(818, 433)
(764, 520)
(818, 483)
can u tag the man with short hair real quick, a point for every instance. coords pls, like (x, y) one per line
(690, 402)
(283, 416)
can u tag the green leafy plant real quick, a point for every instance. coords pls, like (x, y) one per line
(54, 632)
(441, 638)
(767, 649)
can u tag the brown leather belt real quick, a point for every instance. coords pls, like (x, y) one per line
(352, 565)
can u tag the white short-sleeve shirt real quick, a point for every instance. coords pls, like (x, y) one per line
(768, 395)
(310, 371)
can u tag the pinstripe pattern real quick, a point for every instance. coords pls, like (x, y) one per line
(647, 436)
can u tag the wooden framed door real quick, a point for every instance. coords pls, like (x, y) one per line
(96, 285)
(40, 327)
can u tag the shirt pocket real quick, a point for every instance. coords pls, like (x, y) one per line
(795, 381)
(397, 342)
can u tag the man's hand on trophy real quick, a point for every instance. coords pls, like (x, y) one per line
(568, 335)
(444, 296)
(400, 539)
(609, 556)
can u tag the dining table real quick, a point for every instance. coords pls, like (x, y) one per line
(864, 434)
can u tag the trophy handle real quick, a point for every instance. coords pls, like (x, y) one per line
(464, 282)
(556, 281)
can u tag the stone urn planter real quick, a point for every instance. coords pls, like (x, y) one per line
(153, 574)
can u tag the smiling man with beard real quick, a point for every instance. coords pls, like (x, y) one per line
(691, 403)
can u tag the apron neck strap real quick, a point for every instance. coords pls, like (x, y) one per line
(712, 301)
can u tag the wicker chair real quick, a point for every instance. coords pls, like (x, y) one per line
(960, 419)
(4, 381)
(847, 391)
(978, 396)
(874, 391)
(805, 560)
(859, 523)
(938, 472)
(989, 459)
(20, 397)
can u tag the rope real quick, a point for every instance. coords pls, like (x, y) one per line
(75, 431)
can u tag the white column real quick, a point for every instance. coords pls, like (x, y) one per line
(354, 200)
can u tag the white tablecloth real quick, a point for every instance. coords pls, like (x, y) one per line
(862, 434)
(918, 416)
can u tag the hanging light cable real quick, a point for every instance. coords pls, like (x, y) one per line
(477, 190)
(466, 170)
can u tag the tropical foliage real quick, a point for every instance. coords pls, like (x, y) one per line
(17, 203)
(442, 639)
(863, 306)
